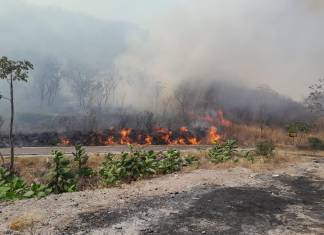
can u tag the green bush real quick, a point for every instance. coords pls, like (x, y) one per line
(13, 187)
(61, 178)
(223, 152)
(138, 164)
(130, 166)
(265, 148)
(190, 159)
(316, 143)
(81, 157)
(170, 162)
(249, 156)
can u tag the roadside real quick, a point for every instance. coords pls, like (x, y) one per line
(228, 201)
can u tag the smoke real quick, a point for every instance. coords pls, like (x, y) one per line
(255, 42)
(247, 43)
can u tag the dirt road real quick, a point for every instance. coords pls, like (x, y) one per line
(232, 201)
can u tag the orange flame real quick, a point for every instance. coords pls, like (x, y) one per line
(184, 129)
(149, 140)
(213, 136)
(109, 141)
(65, 141)
(124, 136)
(193, 140)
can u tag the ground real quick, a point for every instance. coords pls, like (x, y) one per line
(287, 200)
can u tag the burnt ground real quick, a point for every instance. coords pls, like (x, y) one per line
(288, 205)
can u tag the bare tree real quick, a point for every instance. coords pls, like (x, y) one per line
(48, 81)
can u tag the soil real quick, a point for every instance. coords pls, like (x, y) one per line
(224, 201)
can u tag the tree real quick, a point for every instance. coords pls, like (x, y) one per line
(11, 71)
(315, 99)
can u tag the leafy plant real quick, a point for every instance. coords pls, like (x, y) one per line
(298, 127)
(81, 157)
(316, 143)
(13, 187)
(265, 148)
(130, 166)
(249, 156)
(222, 152)
(170, 162)
(61, 178)
(190, 159)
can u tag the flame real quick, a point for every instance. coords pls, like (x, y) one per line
(184, 129)
(109, 141)
(65, 141)
(222, 120)
(165, 134)
(193, 140)
(213, 136)
(124, 136)
(149, 140)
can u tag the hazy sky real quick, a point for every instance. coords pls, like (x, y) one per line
(140, 12)
(255, 42)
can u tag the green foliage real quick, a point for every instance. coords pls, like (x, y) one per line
(316, 143)
(81, 157)
(61, 178)
(298, 127)
(13, 187)
(170, 162)
(138, 164)
(190, 159)
(249, 156)
(222, 152)
(265, 148)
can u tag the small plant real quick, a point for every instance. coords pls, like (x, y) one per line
(13, 187)
(190, 159)
(223, 152)
(81, 157)
(249, 156)
(316, 143)
(170, 162)
(265, 148)
(60, 176)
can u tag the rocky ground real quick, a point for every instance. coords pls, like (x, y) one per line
(223, 201)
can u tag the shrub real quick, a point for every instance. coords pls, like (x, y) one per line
(249, 156)
(81, 157)
(190, 159)
(223, 152)
(138, 164)
(130, 166)
(316, 143)
(170, 162)
(60, 176)
(265, 148)
(13, 187)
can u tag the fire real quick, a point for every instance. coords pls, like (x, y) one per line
(193, 141)
(65, 141)
(109, 141)
(124, 136)
(165, 134)
(213, 136)
(184, 129)
(149, 140)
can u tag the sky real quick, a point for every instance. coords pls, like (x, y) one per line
(253, 42)
(138, 12)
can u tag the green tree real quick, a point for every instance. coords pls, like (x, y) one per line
(11, 71)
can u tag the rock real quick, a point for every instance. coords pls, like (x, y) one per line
(203, 232)
(275, 175)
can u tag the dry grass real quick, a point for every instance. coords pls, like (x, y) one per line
(26, 222)
(248, 135)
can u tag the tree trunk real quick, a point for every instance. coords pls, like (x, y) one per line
(11, 140)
